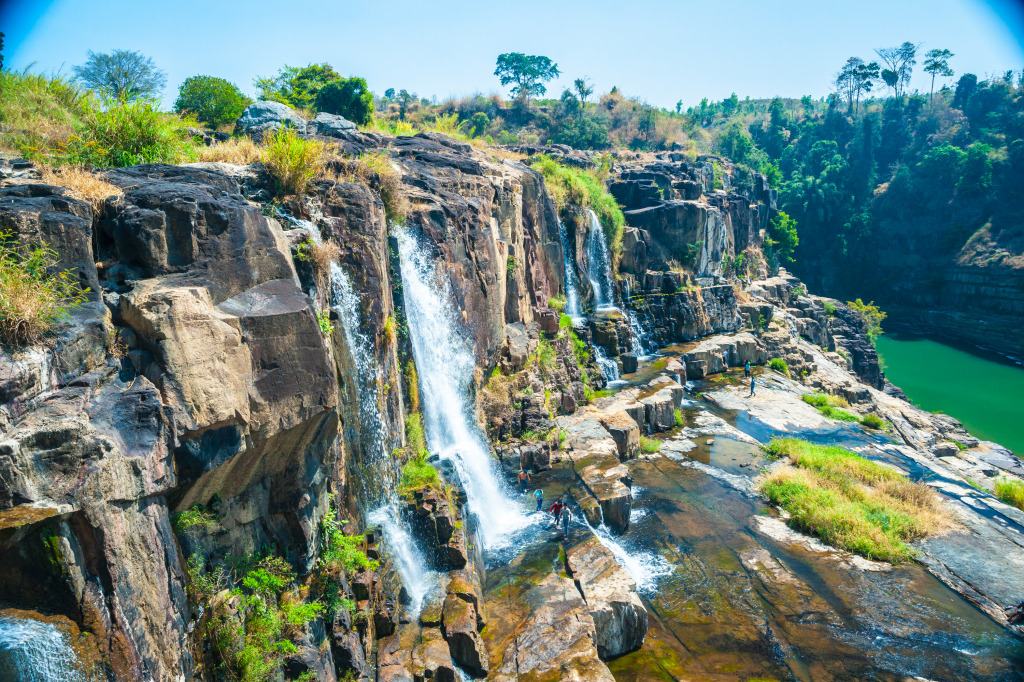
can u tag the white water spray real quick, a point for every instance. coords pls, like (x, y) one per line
(646, 568)
(599, 265)
(411, 566)
(445, 364)
(36, 651)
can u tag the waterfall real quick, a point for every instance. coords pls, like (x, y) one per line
(646, 568)
(36, 651)
(609, 367)
(638, 333)
(599, 265)
(445, 364)
(378, 475)
(410, 563)
(572, 281)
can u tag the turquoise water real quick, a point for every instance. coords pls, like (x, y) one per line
(986, 394)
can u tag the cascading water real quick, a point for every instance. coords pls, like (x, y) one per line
(609, 367)
(379, 475)
(411, 565)
(599, 265)
(36, 651)
(445, 364)
(572, 280)
(646, 568)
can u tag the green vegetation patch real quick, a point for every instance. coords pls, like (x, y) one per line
(417, 472)
(649, 445)
(1010, 491)
(779, 365)
(851, 502)
(585, 188)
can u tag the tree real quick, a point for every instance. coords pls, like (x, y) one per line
(125, 75)
(389, 93)
(730, 105)
(1, 50)
(782, 236)
(212, 100)
(936, 62)
(900, 66)
(679, 107)
(965, 87)
(294, 86)
(583, 88)
(526, 73)
(855, 78)
(478, 124)
(976, 175)
(404, 100)
(348, 97)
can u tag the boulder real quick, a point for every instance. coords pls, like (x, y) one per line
(620, 619)
(261, 117)
(555, 639)
(432, 659)
(459, 620)
(629, 363)
(624, 430)
(330, 125)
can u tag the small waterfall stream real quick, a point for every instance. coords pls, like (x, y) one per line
(445, 364)
(411, 565)
(644, 567)
(36, 651)
(573, 308)
(599, 265)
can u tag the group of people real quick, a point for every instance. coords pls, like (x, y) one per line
(559, 510)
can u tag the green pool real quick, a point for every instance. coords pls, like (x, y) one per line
(984, 393)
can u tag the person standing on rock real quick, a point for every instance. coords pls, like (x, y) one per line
(564, 517)
(538, 494)
(524, 480)
(752, 380)
(556, 509)
(746, 369)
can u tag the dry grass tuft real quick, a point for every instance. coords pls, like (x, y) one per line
(851, 502)
(239, 150)
(82, 184)
(292, 160)
(378, 173)
(320, 255)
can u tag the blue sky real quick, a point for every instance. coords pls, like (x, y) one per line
(659, 51)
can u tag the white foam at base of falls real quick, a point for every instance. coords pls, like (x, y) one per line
(36, 651)
(445, 365)
(419, 581)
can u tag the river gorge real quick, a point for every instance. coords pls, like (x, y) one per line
(307, 435)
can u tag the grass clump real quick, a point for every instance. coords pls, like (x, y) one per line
(320, 256)
(873, 421)
(557, 303)
(679, 417)
(237, 150)
(851, 502)
(40, 112)
(292, 160)
(35, 294)
(1010, 491)
(830, 406)
(417, 472)
(824, 399)
(649, 445)
(779, 365)
(585, 188)
(546, 359)
(81, 184)
(579, 347)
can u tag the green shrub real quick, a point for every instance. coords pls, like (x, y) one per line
(873, 421)
(126, 135)
(35, 295)
(679, 418)
(292, 160)
(649, 445)
(323, 318)
(873, 317)
(1010, 491)
(196, 518)
(213, 101)
(415, 438)
(557, 303)
(418, 473)
(851, 502)
(778, 365)
(830, 308)
(546, 359)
